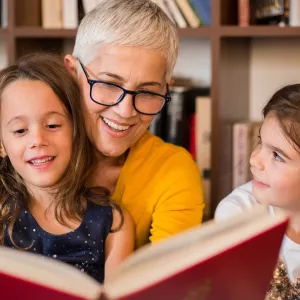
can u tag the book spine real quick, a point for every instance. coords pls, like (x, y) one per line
(52, 14)
(164, 7)
(244, 13)
(175, 119)
(179, 19)
(203, 146)
(70, 14)
(241, 151)
(294, 13)
(188, 13)
(203, 10)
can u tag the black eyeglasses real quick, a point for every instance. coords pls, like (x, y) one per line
(110, 94)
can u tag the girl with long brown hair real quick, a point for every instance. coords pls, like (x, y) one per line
(46, 206)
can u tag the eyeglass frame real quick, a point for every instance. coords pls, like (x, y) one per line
(167, 97)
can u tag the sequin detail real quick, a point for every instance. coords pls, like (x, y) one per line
(281, 287)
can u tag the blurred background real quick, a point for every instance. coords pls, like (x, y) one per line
(234, 54)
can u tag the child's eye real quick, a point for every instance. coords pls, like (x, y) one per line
(277, 157)
(19, 131)
(53, 126)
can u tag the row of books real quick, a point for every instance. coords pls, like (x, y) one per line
(59, 14)
(50, 14)
(269, 12)
(186, 122)
(187, 13)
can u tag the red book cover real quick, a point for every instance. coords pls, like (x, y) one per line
(230, 260)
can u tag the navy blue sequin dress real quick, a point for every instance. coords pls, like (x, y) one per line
(82, 248)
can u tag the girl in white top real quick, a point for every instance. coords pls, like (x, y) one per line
(275, 165)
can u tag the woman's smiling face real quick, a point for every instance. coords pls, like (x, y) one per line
(115, 129)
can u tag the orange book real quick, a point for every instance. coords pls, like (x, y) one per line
(227, 260)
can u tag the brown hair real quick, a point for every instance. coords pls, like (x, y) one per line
(71, 190)
(285, 105)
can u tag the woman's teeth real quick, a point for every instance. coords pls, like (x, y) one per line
(114, 125)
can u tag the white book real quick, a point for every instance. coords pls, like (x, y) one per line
(70, 14)
(4, 13)
(88, 5)
(179, 19)
(294, 13)
(164, 7)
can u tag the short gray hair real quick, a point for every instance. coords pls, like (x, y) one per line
(137, 23)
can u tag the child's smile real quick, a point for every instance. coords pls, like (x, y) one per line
(37, 136)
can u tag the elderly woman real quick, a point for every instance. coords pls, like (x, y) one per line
(124, 54)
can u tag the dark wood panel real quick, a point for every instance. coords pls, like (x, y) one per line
(229, 12)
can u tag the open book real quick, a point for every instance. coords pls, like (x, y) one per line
(229, 260)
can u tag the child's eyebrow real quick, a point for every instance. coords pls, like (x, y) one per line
(276, 149)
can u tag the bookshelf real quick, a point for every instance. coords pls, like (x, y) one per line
(230, 63)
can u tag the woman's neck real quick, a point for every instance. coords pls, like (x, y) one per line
(101, 159)
(107, 171)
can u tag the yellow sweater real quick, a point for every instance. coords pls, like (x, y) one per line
(160, 185)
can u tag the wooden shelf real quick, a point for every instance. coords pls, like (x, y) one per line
(3, 32)
(38, 32)
(259, 31)
(195, 32)
(223, 31)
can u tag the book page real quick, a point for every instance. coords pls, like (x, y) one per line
(186, 249)
(48, 272)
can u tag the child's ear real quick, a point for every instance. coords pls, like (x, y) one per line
(2, 151)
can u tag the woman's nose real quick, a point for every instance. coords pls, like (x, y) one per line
(125, 108)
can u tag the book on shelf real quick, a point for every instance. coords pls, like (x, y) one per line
(203, 147)
(238, 140)
(294, 13)
(230, 260)
(244, 13)
(28, 13)
(244, 141)
(203, 10)
(176, 13)
(164, 7)
(52, 14)
(70, 14)
(188, 13)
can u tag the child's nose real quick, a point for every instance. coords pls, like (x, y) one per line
(256, 159)
(38, 138)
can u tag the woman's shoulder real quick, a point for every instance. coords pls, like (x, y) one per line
(237, 201)
(155, 149)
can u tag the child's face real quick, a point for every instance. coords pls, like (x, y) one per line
(275, 166)
(36, 133)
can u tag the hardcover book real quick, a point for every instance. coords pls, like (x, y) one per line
(230, 260)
